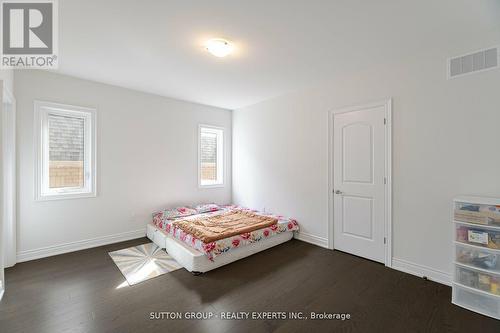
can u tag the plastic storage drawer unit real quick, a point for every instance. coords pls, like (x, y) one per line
(476, 282)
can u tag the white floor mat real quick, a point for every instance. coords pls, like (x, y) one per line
(143, 262)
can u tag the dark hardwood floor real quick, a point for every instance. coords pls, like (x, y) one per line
(77, 292)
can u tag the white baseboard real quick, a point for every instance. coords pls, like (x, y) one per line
(312, 239)
(421, 271)
(78, 245)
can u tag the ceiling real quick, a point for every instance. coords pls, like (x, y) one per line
(282, 45)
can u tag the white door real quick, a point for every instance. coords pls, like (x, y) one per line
(359, 162)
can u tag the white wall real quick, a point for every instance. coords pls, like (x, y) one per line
(446, 136)
(146, 160)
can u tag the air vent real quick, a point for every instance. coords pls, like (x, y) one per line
(474, 62)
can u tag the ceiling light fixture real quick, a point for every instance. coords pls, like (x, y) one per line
(219, 47)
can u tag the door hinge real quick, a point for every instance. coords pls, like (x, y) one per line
(385, 121)
(385, 180)
(385, 240)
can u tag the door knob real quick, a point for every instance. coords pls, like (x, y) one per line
(338, 192)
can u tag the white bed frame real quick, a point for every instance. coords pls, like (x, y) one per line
(197, 262)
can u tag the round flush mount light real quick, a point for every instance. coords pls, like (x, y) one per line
(219, 47)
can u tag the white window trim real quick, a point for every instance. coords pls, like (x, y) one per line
(221, 158)
(42, 191)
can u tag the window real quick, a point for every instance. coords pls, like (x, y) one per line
(65, 161)
(211, 156)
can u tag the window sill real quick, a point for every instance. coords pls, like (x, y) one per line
(210, 186)
(65, 196)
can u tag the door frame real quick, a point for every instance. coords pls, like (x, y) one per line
(10, 249)
(387, 104)
(6, 97)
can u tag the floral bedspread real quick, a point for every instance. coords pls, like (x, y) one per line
(213, 249)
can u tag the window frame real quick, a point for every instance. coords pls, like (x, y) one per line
(221, 156)
(42, 190)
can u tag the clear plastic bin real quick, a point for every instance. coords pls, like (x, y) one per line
(478, 236)
(477, 279)
(477, 213)
(479, 258)
(476, 301)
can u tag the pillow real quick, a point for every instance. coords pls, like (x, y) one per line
(169, 214)
(204, 208)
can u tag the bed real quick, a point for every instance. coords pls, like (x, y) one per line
(202, 252)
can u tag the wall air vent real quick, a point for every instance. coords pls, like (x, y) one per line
(474, 62)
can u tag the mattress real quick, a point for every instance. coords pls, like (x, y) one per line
(196, 261)
(218, 247)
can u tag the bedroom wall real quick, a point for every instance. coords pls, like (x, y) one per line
(445, 143)
(146, 160)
